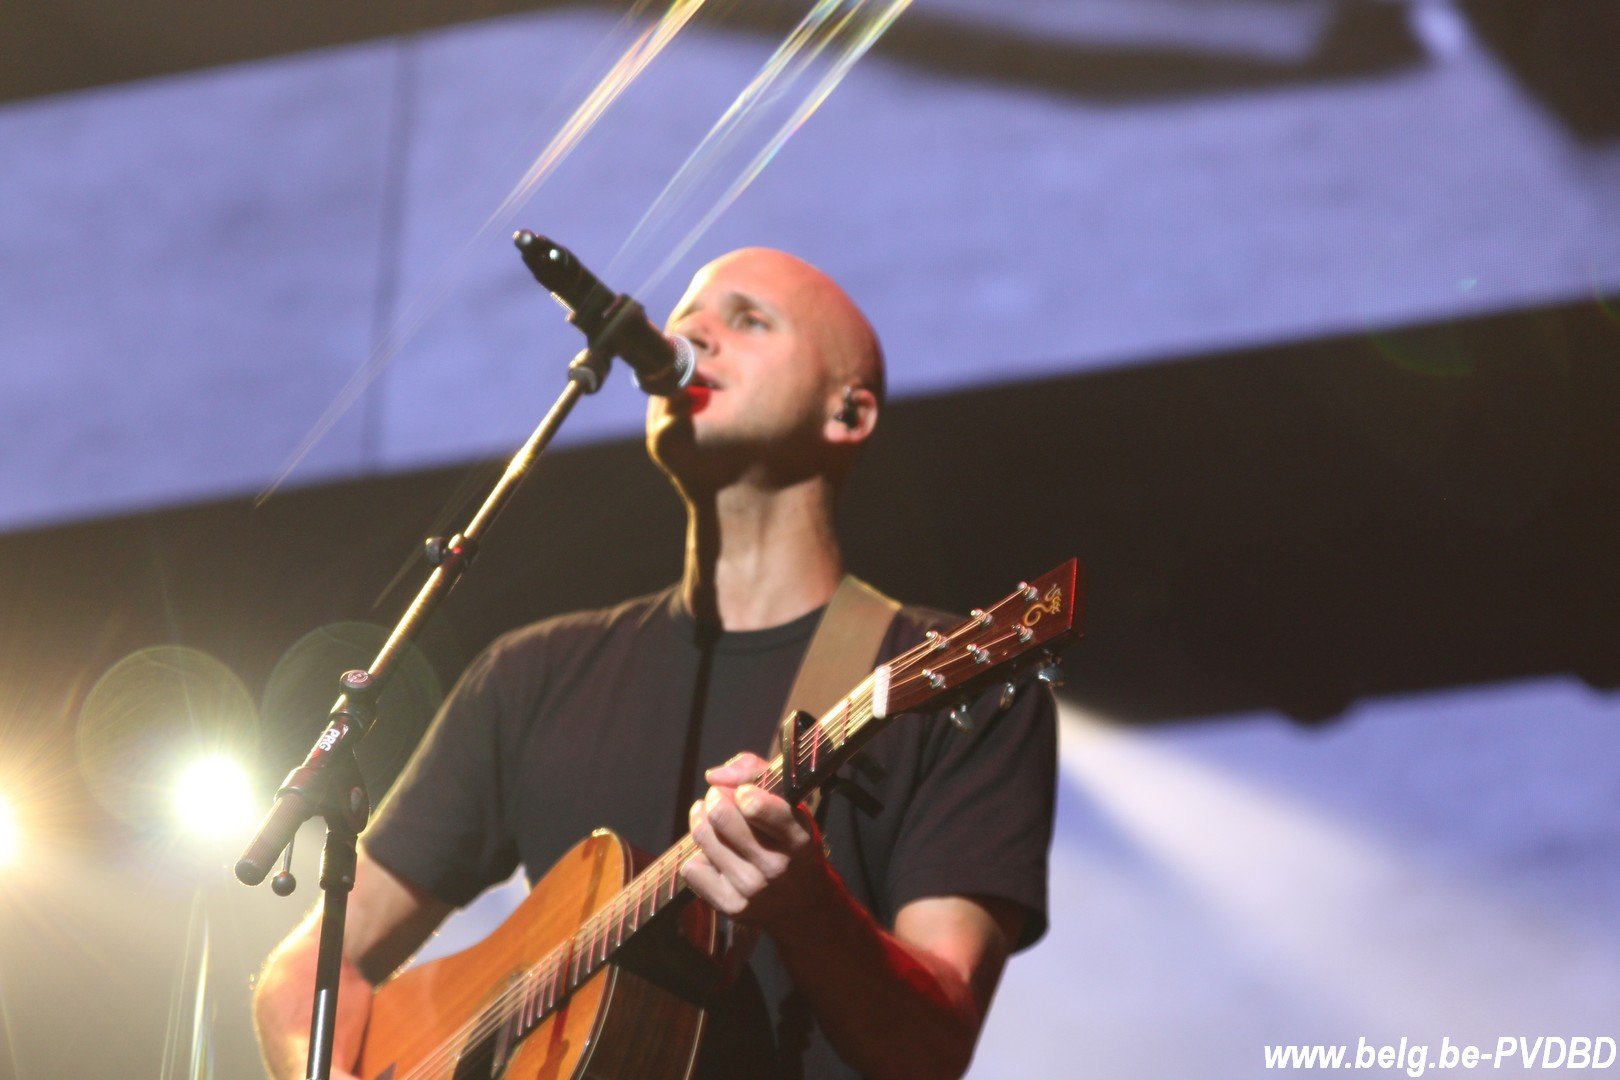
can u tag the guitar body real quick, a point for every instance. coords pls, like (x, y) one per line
(636, 1017)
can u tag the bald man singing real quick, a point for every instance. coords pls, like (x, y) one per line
(882, 933)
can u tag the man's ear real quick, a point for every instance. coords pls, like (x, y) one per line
(853, 418)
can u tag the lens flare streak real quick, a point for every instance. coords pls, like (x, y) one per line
(640, 53)
(202, 1042)
(631, 63)
(5, 1030)
(846, 30)
(200, 1051)
(831, 38)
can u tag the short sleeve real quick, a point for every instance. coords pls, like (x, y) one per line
(980, 819)
(443, 826)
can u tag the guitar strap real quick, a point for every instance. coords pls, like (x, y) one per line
(843, 652)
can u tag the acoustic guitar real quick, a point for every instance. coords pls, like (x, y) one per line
(602, 971)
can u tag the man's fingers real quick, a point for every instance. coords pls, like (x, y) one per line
(745, 768)
(757, 825)
(771, 815)
(748, 841)
(711, 886)
(723, 835)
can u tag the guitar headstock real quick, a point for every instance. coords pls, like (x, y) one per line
(1020, 629)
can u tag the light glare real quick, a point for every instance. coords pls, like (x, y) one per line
(10, 833)
(213, 797)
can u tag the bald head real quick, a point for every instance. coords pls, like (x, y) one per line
(789, 376)
(825, 313)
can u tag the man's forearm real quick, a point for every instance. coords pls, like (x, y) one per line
(890, 1010)
(284, 997)
(907, 1004)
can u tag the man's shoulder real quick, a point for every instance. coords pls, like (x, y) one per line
(921, 618)
(584, 628)
(913, 621)
(590, 627)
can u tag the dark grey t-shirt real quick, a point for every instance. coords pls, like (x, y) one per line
(608, 717)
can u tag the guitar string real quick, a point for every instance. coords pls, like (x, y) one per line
(840, 716)
(837, 718)
(537, 985)
(608, 923)
(539, 980)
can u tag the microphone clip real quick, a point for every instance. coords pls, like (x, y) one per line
(602, 343)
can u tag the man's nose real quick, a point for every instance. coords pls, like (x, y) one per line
(699, 330)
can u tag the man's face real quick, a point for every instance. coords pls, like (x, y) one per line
(765, 329)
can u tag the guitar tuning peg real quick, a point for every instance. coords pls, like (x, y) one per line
(961, 719)
(1008, 692)
(1050, 673)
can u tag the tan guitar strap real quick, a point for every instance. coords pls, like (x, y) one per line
(843, 651)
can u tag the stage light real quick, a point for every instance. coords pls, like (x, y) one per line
(214, 797)
(10, 833)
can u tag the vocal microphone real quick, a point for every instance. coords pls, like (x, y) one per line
(661, 364)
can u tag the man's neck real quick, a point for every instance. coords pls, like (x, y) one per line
(757, 558)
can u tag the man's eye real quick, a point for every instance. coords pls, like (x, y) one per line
(749, 320)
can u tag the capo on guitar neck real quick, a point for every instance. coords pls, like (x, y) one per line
(794, 725)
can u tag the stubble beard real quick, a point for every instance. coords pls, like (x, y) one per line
(701, 463)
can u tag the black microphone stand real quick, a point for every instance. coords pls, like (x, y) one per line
(328, 783)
